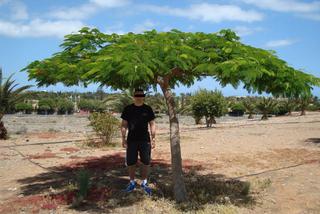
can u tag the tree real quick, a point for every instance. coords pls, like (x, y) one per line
(250, 105)
(209, 104)
(117, 102)
(24, 107)
(10, 95)
(304, 102)
(157, 102)
(266, 106)
(167, 59)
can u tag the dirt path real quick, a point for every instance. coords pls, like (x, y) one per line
(280, 156)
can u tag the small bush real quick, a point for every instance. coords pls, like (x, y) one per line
(46, 106)
(91, 105)
(24, 107)
(83, 185)
(105, 125)
(65, 106)
(237, 110)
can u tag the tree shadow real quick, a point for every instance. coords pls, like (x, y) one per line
(108, 178)
(313, 140)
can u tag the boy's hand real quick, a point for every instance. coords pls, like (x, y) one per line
(124, 143)
(153, 143)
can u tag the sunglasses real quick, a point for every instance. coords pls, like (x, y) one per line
(139, 95)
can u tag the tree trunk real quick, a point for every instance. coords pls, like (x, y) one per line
(303, 112)
(264, 116)
(3, 130)
(179, 189)
(250, 116)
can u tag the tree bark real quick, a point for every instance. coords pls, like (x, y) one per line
(179, 189)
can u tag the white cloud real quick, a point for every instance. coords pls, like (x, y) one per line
(286, 5)
(39, 28)
(86, 10)
(208, 12)
(245, 31)
(144, 26)
(280, 43)
(110, 3)
(117, 28)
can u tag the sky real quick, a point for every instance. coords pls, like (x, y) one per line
(33, 29)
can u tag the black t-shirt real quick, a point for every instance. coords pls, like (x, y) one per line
(138, 118)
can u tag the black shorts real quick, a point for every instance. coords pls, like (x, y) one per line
(135, 147)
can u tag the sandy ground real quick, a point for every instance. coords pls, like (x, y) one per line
(283, 153)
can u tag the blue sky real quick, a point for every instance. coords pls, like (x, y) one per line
(33, 29)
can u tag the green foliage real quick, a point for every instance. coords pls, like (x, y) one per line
(24, 107)
(65, 106)
(208, 104)
(10, 94)
(157, 103)
(117, 102)
(303, 103)
(249, 103)
(92, 105)
(168, 58)
(105, 125)
(83, 185)
(265, 106)
(47, 106)
(237, 109)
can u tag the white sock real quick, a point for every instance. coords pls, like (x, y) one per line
(144, 182)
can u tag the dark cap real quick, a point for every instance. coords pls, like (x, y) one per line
(141, 94)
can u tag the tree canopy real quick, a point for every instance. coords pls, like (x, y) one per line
(131, 60)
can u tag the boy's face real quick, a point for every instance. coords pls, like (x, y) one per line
(139, 96)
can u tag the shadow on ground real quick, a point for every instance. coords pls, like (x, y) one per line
(313, 140)
(108, 177)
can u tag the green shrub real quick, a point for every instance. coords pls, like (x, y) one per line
(65, 106)
(105, 125)
(46, 106)
(24, 107)
(266, 106)
(313, 107)
(91, 105)
(237, 109)
(83, 185)
(208, 104)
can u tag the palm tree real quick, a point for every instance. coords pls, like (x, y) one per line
(250, 106)
(117, 102)
(265, 106)
(157, 102)
(9, 96)
(303, 103)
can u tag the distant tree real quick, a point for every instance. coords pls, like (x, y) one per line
(249, 103)
(10, 95)
(265, 106)
(209, 104)
(24, 107)
(65, 106)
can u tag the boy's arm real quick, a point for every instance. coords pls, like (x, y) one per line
(152, 125)
(124, 127)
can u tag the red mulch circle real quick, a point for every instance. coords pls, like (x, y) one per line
(69, 149)
(42, 156)
(35, 203)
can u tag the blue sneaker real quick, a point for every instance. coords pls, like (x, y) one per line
(146, 189)
(130, 187)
